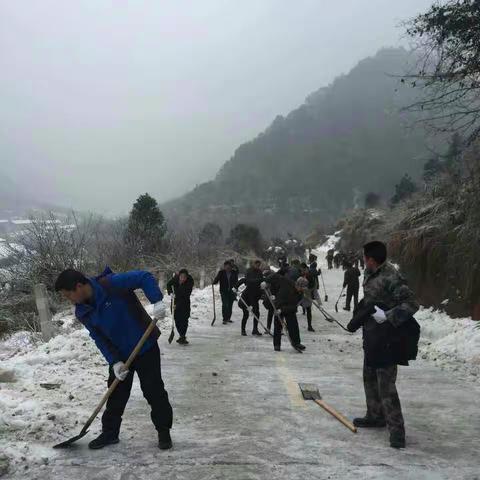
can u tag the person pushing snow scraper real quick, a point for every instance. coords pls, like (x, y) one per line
(116, 320)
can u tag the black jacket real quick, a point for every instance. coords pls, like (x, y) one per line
(286, 295)
(182, 292)
(226, 285)
(351, 278)
(314, 270)
(383, 344)
(253, 278)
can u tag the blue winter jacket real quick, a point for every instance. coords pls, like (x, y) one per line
(112, 324)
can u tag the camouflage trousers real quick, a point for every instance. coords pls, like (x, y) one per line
(382, 397)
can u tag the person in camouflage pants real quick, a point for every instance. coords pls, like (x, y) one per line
(383, 285)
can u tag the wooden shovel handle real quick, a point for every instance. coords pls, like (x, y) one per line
(337, 415)
(129, 361)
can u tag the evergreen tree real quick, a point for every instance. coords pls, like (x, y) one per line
(403, 190)
(432, 168)
(244, 238)
(146, 225)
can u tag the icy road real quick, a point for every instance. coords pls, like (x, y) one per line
(238, 410)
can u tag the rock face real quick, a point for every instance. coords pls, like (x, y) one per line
(7, 376)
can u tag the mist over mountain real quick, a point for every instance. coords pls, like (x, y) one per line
(347, 139)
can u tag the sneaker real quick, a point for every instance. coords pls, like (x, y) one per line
(164, 440)
(369, 422)
(182, 341)
(397, 440)
(104, 439)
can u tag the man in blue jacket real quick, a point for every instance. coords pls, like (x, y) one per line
(116, 320)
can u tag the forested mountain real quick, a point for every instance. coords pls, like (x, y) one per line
(347, 139)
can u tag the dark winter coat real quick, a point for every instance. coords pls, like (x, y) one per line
(383, 344)
(351, 278)
(182, 293)
(226, 284)
(252, 280)
(286, 295)
(115, 318)
(386, 286)
(315, 272)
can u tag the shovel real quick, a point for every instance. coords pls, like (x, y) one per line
(310, 392)
(130, 360)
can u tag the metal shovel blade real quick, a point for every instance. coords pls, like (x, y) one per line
(310, 391)
(69, 442)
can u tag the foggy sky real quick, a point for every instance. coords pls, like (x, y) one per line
(101, 101)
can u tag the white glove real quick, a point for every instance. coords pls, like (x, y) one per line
(159, 310)
(272, 297)
(120, 371)
(263, 285)
(278, 312)
(234, 290)
(379, 315)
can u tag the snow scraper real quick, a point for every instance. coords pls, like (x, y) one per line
(339, 297)
(310, 392)
(249, 308)
(129, 361)
(172, 311)
(324, 289)
(214, 312)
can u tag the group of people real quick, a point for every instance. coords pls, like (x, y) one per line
(116, 320)
(281, 293)
(341, 259)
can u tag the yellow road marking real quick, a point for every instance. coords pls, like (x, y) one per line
(291, 386)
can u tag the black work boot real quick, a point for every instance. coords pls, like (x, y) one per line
(300, 346)
(164, 440)
(397, 440)
(369, 422)
(104, 439)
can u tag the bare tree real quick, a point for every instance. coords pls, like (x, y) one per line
(448, 71)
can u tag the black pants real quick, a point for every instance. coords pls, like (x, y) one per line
(330, 263)
(181, 321)
(292, 327)
(269, 308)
(246, 313)
(309, 316)
(352, 292)
(149, 372)
(228, 298)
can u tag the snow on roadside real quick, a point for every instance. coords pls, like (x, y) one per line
(33, 418)
(330, 243)
(451, 343)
